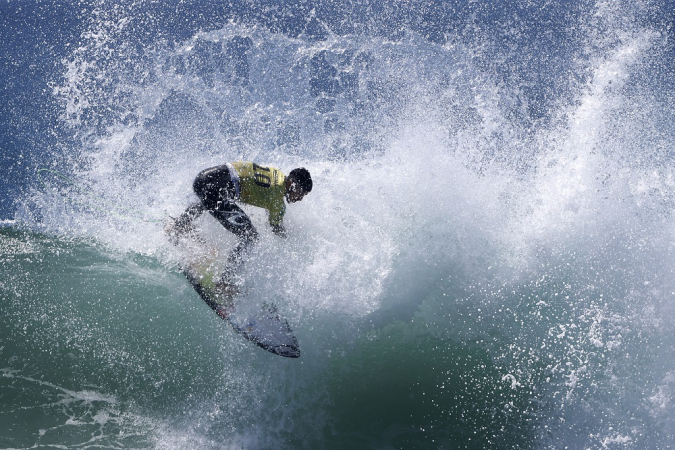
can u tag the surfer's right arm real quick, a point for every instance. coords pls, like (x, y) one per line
(279, 230)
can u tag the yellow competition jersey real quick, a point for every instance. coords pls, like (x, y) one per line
(264, 187)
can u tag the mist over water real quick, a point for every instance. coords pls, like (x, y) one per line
(485, 260)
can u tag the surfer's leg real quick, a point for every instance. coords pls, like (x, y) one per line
(234, 219)
(215, 189)
(183, 224)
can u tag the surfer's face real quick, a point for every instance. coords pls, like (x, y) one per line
(295, 193)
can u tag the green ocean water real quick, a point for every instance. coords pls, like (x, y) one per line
(115, 350)
(109, 349)
(86, 335)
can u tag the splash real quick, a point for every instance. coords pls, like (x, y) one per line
(511, 261)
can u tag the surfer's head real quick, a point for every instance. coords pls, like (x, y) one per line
(298, 184)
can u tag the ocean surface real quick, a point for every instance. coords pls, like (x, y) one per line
(486, 259)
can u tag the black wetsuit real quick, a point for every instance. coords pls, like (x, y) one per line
(217, 195)
(215, 189)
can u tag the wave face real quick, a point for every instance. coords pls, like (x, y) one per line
(486, 259)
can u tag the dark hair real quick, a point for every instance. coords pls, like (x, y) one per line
(302, 178)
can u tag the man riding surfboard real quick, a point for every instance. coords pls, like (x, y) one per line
(220, 188)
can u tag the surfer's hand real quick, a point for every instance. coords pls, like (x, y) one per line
(279, 230)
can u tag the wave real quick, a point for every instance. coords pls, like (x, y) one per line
(485, 260)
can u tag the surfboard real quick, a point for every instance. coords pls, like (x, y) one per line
(264, 326)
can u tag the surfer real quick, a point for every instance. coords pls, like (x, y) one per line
(219, 190)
